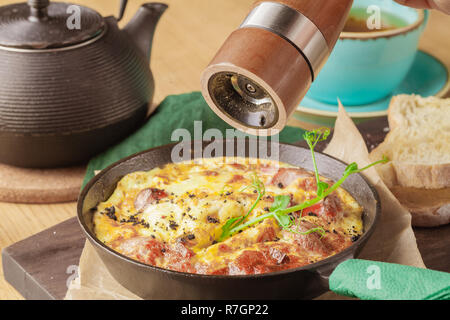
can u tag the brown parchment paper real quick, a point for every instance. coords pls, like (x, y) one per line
(393, 240)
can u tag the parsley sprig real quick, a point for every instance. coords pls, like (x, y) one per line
(279, 209)
(312, 138)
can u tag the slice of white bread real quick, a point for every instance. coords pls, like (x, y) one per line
(418, 146)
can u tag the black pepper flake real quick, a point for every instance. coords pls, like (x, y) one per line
(190, 237)
(132, 218)
(173, 225)
(111, 209)
(312, 214)
(280, 185)
(228, 193)
(212, 219)
(163, 250)
(192, 196)
(355, 238)
(136, 221)
(111, 213)
(266, 209)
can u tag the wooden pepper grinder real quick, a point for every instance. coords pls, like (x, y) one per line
(265, 67)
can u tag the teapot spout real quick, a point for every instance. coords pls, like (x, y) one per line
(142, 26)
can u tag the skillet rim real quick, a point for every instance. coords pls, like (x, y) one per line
(331, 261)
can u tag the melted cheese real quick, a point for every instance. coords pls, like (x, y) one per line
(199, 198)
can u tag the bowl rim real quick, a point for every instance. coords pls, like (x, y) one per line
(348, 253)
(386, 33)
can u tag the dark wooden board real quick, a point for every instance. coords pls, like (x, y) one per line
(38, 266)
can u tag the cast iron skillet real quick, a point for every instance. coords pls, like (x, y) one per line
(150, 282)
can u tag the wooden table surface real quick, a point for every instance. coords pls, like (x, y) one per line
(189, 34)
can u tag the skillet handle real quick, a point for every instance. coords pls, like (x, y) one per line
(326, 271)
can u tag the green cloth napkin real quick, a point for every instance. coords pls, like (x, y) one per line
(177, 111)
(371, 280)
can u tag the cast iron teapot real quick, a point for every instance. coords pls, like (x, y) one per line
(71, 82)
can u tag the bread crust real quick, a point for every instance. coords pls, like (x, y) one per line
(420, 175)
(411, 175)
(430, 217)
(428, 208)
(393, 120)
(415, 185)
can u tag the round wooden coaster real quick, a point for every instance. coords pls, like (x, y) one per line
(21, 185)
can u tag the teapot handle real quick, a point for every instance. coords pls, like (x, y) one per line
(123, 6)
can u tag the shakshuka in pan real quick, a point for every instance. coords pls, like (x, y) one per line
(175, 217)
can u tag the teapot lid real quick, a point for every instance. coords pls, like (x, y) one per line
(40, 24)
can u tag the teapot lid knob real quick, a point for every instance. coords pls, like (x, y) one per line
(38, 9)
(41, 24)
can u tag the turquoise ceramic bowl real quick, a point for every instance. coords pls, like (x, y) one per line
(367, 66)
